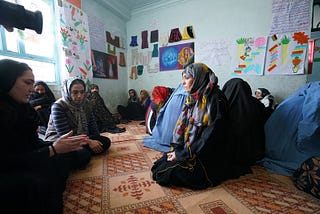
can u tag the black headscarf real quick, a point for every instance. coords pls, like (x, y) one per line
(247, 117)
(18, 120)
(264, 92)
(48, 91)
(92, 86)
(10, 70)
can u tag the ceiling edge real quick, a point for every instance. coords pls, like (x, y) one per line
(117, 8)
(155, 6)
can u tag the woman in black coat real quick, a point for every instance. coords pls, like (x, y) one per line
(41, 100)
(247, 118)
(33, 173)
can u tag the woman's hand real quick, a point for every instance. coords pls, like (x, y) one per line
(171, 156)
(37, 107)
(95, 145)
(68, 143)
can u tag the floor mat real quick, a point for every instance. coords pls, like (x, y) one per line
(119, 181)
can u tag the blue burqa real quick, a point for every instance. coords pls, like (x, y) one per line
(168, 115)
(293, 131)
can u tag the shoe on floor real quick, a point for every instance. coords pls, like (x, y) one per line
(124, 121)
(115, 130)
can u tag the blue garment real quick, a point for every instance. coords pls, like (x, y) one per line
(168, 115)
(293, 131)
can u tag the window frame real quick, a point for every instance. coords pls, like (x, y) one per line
(23, 55)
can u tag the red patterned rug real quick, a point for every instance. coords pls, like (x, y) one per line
(119, 181)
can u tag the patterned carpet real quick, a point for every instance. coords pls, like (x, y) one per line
(120, 182)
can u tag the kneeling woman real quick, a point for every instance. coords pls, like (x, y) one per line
(199, 142)
(71, 112)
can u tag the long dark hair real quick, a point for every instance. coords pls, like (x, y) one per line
(10, 70)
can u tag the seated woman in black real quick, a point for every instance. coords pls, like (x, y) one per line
(123, 110)
(198, 156)
(105, 120)
(41, 100)
(136, 107)
(267, 99)
(33, 173)
(247, 117)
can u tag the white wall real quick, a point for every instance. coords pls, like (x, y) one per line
(114, 92)
(211, 19)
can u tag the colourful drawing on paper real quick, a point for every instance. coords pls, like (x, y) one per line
(250, 56)
(176, 56)
(75, 41)
(286, 53)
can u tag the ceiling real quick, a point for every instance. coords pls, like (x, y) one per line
(136, 4)
(126, 8)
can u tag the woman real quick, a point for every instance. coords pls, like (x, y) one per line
(247, 118)
(198, 140)
(137, 106)
(166, 120)
(144, 103)
(33, 175)
(160, 95)
(123, 110)
(41, 100)
(265, 97)
(73, 113)
(104, 118)
(293, 131)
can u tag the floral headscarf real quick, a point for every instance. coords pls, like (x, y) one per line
(196, 112)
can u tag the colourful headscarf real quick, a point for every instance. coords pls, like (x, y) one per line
(196, 112)
(160, 95)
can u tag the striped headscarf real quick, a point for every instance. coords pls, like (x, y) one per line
(77, 110)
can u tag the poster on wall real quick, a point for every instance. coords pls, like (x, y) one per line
(112, 67)
(250, 55)
(74, 34)
(214, 53)
(286, 53)
(290, 16)
(76, 3)
(176, 56)
(316, 52)
(104, 65)
(97, 38)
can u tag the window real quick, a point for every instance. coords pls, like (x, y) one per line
(316, 16)
(37, 50)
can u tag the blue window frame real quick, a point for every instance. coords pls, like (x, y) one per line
(39, 51)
